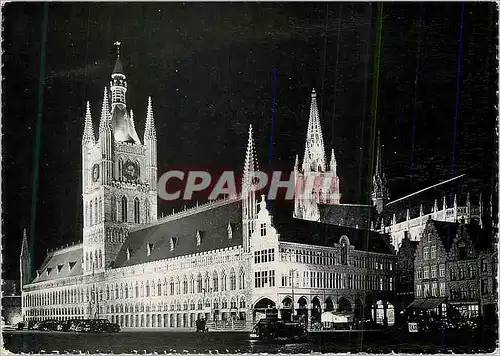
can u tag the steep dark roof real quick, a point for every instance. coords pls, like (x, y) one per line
(212, 224)
(61, 260)
(448, 232)
(321, 234)
(118, 67)
(347, 215)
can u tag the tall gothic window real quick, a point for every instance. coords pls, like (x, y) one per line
(232, 280)
(96, 211)
(100, 209)
(148, 212)
(86, 214)
(199, 283)
(215, 280)
(113, 208)
(124, 209)
(242, 279)
(136, 211)
(90, 213)
(223, 286)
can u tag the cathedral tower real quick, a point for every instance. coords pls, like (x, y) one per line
(380, 192)
(315, 183)
(25, 262)
(118, 176)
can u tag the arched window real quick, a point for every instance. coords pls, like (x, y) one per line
(172, 290)
(158, 286)
(100, 209)
(113, 208)
(232, 280)
(96, 211)
(136, 289)
(207, 280)
(148, 212)
(223, 278)
(177, 286)
(100, 259)
(126, 291)
(199, 283)
(124, 209)
(215, 280)
(136, 211)
(90, 214)
(185, 285)
(191, 284)
(242, 279)
(87, 259)
(120, 168)
(147, 289)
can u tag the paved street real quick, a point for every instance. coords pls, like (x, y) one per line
(190, 342)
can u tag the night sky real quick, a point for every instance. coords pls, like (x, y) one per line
(209, 69)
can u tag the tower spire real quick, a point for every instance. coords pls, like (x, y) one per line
(88, 130)
(314, 156)
(380, 193)
(149, 131)
(333, 163)
(251, 164)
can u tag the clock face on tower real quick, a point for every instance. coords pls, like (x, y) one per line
(130, 170)
(95, 172)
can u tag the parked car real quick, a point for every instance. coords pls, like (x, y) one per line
(20, 325)
(48, 325)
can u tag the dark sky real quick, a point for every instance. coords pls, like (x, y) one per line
(209, 69)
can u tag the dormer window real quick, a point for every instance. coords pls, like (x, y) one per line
(59, 268)
(173, 242)
(229, 231)
(49, 270)
(150, 248)
(71, 265)
(129, 253)
(38, 273)
(198, 238)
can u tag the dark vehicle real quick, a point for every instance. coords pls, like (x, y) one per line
(48, 325)
(20, 325)
(94, 326)
(201, 325)
(67, 325)
(276, 329)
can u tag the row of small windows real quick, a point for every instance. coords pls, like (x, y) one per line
(426, 290)
(93, 260)
(94, 211)
(326, 258)
(330, 280)
(264, 256)
(264, 279)
(423, 272)
(426, 252)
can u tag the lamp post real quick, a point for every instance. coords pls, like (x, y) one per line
(293, 295)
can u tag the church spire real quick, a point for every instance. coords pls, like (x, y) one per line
(380, 192)
(333, 163)
(88, 130)
(150, 131)
(118, 81)
(314, 156)
(251, 164)
(25, 261)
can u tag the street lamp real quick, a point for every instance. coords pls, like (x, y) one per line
(293, 295)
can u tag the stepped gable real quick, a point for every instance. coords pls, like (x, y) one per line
(212, 224)
(291, 229)
(347, 215)
(449, 231)
(63, 263)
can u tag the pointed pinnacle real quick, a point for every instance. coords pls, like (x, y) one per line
(88, 130)
(105, 114)
(149, 130)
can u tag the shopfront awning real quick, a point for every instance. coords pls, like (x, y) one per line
(427, 303)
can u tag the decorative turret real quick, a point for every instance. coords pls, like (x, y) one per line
(106, 142)
(444, 202)
(314, 155)
(249, 206)
(118, 81)
(88, 130)
(150, 143)
(380, 192)
(435, 209)
(333, 164)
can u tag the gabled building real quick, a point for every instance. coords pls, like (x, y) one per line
(454, 269)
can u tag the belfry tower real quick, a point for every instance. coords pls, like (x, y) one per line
(118, 175)
(380, 192)
(315, 183)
